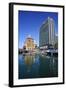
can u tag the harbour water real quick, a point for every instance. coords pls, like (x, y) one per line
(37, 66)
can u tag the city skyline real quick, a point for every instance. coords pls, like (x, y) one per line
(30, 23)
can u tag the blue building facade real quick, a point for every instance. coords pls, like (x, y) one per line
(47, 33)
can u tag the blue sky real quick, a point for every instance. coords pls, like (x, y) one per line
(29, 23)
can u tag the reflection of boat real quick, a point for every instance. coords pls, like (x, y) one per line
(23, 54)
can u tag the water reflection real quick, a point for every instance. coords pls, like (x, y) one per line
(29, 60)
(35, 66)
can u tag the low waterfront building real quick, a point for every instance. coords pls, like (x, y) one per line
(29, 43)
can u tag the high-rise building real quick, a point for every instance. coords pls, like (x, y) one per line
(47, 33)
(56, 38)
(56, 41)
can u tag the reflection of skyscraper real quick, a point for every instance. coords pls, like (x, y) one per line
(47, 33)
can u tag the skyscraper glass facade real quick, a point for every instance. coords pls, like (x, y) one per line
(47, 34)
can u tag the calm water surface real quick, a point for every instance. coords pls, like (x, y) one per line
(37, 66)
